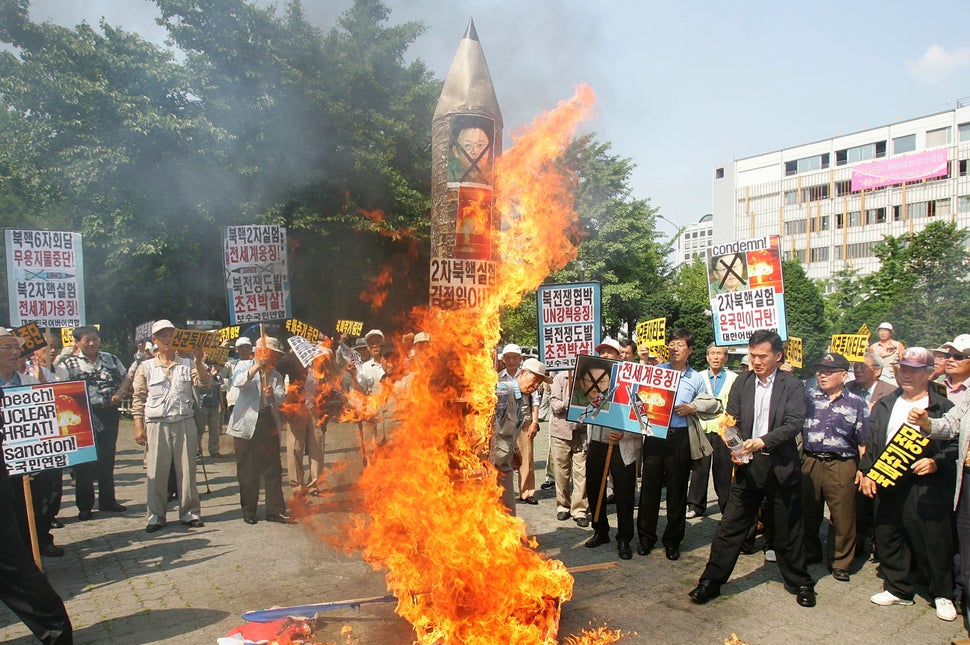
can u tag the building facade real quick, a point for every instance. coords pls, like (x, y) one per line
(694, 240)
(832, 200)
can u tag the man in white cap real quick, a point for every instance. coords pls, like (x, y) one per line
(162, 408)
(888, 349)
(255, 428)
(512, 357)
(368, 380)
(513, 412)
(957, 368)
(244, 352)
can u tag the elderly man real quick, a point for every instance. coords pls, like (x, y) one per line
(107, 382)
(255, 428)
(567, 449)
(888, 349)
(512, 357)
(513, 410)
(913, 517)
(769, 406)
(165, 422)
(368, 381)
(836, 427)
(957, 368)
(868, 382)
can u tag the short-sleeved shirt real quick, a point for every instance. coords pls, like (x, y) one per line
(691, 384)
(835, 426)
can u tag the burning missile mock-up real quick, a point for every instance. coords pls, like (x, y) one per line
(427, 508)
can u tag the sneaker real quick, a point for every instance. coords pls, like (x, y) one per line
(770, 555)
(887, 599)
(691, 513)
(945, 609)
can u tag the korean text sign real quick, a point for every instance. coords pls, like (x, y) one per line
(45, 278)
(257, 279)
(569, 322)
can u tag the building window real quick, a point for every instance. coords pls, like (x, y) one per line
(820, 254)
(797, 254)
(806, 164)
(918, 209)
(897, 213)
(963, 204)
(963, 131)
(843, 187)
(820, 223)
(941, 207)
(795, 227)
(937, 138)
(855, 218)
(719, 173)
(963, 167)
(860, 153)
(904, 144)
(853, 251)
(875, 216)
(791, 197)
(815, 193)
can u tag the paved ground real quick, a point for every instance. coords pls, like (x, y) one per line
(183, 585)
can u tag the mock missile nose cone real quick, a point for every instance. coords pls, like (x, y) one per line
(468, 86)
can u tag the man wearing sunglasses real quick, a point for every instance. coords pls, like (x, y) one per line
(957, 368)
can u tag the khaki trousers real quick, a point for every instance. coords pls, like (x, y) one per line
(170, 443)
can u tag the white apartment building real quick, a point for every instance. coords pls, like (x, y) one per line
(694, 239)
(832, 200)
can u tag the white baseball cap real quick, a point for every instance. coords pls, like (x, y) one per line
(243, 340)
(512, 348)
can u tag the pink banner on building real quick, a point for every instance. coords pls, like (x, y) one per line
(924, 165)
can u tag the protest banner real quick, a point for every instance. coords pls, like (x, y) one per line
(457, 284)
(304, 349)
(33, 337)
(45, 278)
(746, 289)
(793, 351)
(300, 328)
(229, 334)
(257, 279)
(904, 449)
(569, 318)
(185, 340)
(217, 355)
(852, 346)
(143, 332)
(47, 426)
(652, 334)
(351, 327)
(623, 395)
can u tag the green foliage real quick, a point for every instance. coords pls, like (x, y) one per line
(805, 312)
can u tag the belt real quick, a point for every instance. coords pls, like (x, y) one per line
(677, 428)
(103, 406)
(826, 456)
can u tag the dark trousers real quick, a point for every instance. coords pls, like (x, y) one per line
(260, 456)
(913, 523)
(42, 487)
(784, 504)
(963, 532)
(666, 462)
(624, 489)
(719, 465)
(22, 587)
(102, 470)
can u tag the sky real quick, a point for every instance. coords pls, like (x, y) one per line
(681, 87)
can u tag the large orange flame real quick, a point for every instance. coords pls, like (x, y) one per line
(464, 571)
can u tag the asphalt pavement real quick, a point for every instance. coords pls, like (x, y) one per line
(191, 585)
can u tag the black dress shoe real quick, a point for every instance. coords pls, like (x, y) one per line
(57, 524)
(806, 596)
(582, 521)
(597, 539)
(194, 524)
(673, 553)
(562, 516)
(645, 549)
(52, 550)
(84, 516)
(151, 528)
(282, 518)
(114, 508)
(840, 574)
(250, 520)
(624, 551)
(704, 591)
(529, 500)
(611, 499)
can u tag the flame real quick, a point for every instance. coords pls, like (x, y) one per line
(725, 421)
(427, 506)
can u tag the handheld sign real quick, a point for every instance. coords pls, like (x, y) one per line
(905, 448)
(569, 322)
(852, 346)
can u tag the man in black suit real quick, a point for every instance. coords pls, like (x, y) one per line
(769, 407)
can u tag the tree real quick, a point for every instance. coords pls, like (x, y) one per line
(805, 313)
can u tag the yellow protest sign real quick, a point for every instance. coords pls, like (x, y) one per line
(185, 340)
(852, 346)
(352, 327)
(300, 328)
(652, 332)
(906, 446)
(67, 335)
(793, 351)
(864, 331)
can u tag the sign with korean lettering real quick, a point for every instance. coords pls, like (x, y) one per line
(217, 355)
(45, 278)
(300, 328)
(864, 331)
(304, 349)
(852, 346)
(793, 351)
(569, 322)
(47, 426)
(33, 337)
(257, 280)
(622, 395)
(746, 289)
(652, 332)
(185, 340)
(143, 332)
(352, 327)
(460, 284)
(228, 334)
(67, 334)
(904, 449)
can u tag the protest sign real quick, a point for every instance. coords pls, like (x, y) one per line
(459, 284)
(569, 317)
(185, 340)
(143, 332)
(793, 351)
(33, 337)
(351, 327)
(300, 328)
(904, 449)
(304, 349)
(257, 280)
(45, 278)
(852, 346)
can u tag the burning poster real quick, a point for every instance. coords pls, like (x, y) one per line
(570, 317)
(460, 284)
(904, 449)
(257, 280)
(470, 153)
(45, 278)
(626, 396)
(304, 349)
(746, 289)
(47, 426)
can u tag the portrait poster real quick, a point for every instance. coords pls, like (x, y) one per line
(45, 278)
(257, 278)
(470, 150)
(746, 289)
(570, 319)
(47, 426)
(623, 395)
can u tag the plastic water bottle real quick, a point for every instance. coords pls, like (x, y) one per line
(734, 441)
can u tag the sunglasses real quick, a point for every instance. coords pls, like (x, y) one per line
(958, 357)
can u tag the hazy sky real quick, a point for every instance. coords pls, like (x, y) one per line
(681, 86)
